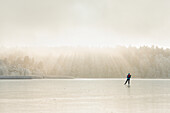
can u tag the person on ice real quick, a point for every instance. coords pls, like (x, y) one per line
(128, 79)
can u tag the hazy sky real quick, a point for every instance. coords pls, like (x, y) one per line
(85, 22)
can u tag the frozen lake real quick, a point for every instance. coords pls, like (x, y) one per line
(84, 96)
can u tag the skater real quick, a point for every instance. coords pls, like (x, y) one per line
(128, 79)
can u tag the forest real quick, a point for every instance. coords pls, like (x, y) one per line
(86, 62)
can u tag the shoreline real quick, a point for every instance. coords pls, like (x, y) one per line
(70, 77)
(20, 77)
(33, 77)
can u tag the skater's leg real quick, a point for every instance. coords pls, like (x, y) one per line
(128, 81)
(125, 81)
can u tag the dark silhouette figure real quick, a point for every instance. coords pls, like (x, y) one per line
(128, 79)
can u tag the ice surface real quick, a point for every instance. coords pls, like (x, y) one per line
(84, 96)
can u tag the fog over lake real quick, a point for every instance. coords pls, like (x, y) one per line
(86, 62)
(89, 43)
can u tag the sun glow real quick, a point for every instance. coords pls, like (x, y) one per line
(78, 37)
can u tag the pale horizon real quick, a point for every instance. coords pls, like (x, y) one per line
(84, 23)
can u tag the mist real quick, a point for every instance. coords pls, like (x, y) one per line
(84, 23)
(86, 62)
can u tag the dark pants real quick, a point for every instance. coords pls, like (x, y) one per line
(128, 80)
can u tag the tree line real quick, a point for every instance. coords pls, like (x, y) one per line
(86, 62)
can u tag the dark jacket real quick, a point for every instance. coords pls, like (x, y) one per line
(128, 76)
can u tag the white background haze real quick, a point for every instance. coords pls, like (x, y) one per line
(84, 22)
